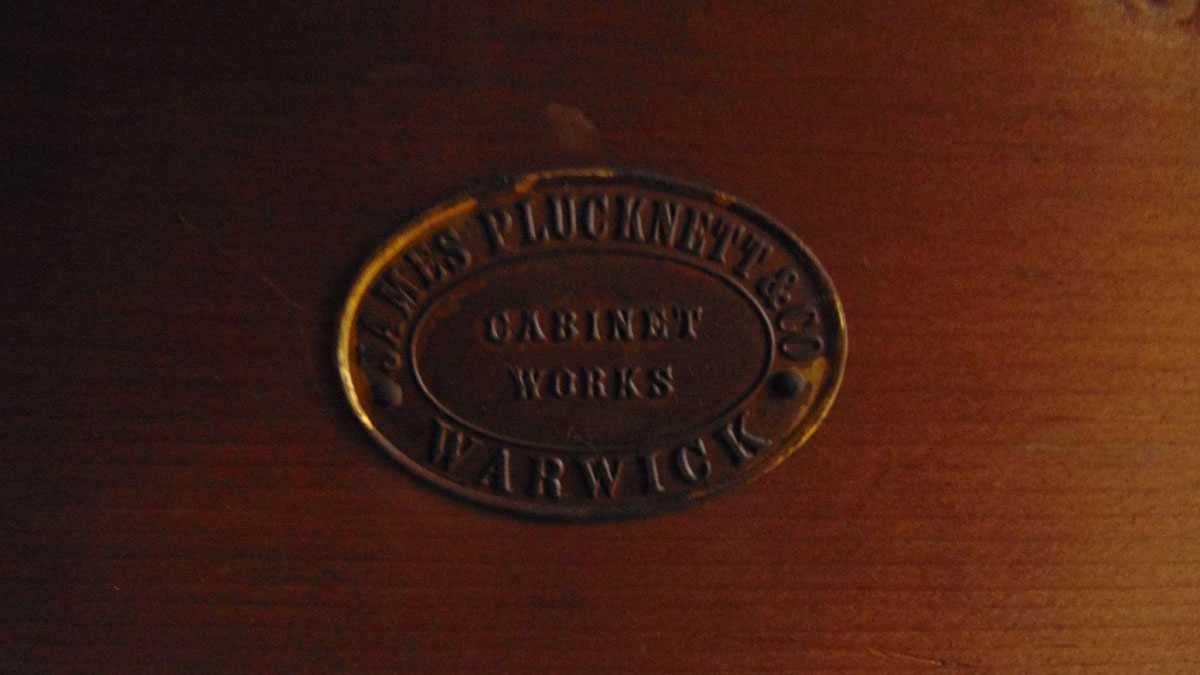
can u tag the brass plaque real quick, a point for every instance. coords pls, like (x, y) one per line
(590, 343)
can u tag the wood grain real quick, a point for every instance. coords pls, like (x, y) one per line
(1007, 195)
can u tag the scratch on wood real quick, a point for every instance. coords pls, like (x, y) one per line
(570, 126)
(908, 658)
(224, 253)
(298, 310)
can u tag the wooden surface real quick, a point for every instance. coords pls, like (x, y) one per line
(1007, 195)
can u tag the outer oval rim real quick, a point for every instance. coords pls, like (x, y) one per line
(466, 201)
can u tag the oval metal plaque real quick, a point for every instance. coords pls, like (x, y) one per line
(590, 343)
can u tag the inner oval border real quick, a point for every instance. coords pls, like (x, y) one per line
(740, 290)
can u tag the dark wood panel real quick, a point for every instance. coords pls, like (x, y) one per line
(1006, 194)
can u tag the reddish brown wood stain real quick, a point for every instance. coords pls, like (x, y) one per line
(1006, 194)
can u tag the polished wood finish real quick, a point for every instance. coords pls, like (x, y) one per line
(1007, 195)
